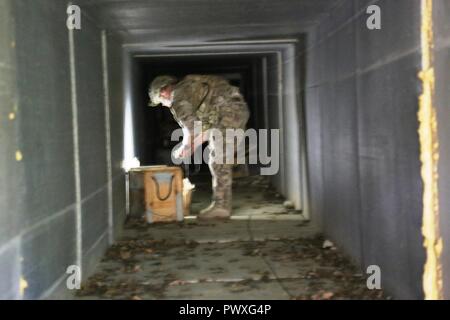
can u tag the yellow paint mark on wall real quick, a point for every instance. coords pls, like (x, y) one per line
(19, 155)
(23, 285)
(429, 156)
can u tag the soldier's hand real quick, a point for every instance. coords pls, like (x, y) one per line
(182, 152)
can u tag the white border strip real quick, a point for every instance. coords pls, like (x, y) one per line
(76, 149)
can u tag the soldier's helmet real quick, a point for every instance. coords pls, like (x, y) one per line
(157, 84)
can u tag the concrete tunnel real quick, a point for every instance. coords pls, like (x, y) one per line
(364, 154)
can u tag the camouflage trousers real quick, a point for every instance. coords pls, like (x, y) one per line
(232, 117)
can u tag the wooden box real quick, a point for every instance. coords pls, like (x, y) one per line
(136, 191)
(163, 187)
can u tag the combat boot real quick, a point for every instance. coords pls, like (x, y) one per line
(214, 212)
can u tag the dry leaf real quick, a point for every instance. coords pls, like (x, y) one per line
(327, 295)
(137, 268)
(125, 255)
(177, 283)
(327, 244)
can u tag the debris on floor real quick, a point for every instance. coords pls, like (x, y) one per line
(288, 204)
(327, 244)
(259, 256)
(283, 269)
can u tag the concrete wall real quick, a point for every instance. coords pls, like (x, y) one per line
(275, 102)
(442, 67)
(40, 236)
(11, 171)
(291, 129)
(45, 138)
(116, 117)
(361, 98)
(284, 113)
(92, 142)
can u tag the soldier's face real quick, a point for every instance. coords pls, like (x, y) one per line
(165, 96)
(166, 92)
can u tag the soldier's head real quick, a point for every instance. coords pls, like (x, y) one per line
(160, 90)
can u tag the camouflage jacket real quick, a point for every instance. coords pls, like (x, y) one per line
(207, 99)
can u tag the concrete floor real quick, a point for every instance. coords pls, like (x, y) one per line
(264, 252)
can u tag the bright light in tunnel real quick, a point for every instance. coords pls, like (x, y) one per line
(130, 160)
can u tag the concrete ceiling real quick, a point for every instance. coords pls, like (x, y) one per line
(197, 21)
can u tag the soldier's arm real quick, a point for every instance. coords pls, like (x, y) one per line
(186, 118)
(185, 115)
(187, 99)
(185, 105)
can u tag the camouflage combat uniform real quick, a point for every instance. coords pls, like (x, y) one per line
(218, 105)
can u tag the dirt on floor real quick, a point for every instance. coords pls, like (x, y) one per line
(146, 268)
(266, 251)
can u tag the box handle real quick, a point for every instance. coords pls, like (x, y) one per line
(158, 193)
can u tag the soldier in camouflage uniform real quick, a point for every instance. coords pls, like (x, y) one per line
(218, 105)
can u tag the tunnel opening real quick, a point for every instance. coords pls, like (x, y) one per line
(157, 124)
(266, 74)
(153, 127)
